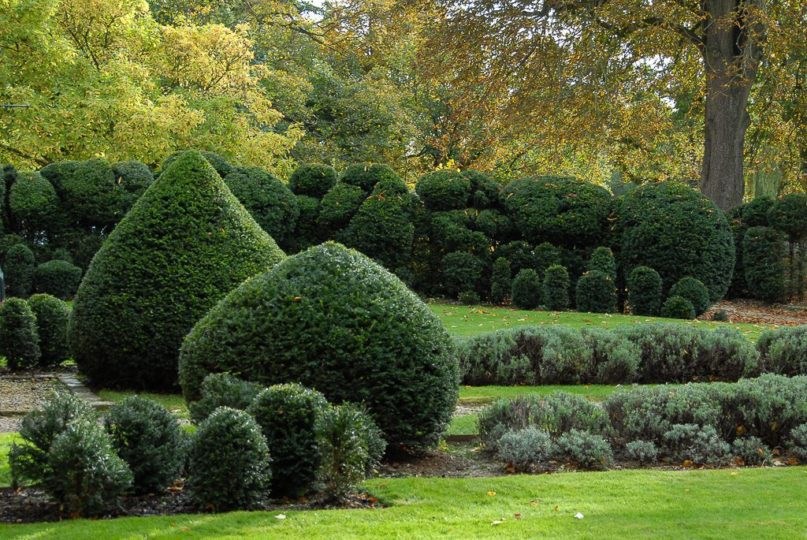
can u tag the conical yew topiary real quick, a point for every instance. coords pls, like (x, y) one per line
(185, 244)
(333, 320)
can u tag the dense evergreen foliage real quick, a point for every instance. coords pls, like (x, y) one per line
(334, 321)
(183, 246)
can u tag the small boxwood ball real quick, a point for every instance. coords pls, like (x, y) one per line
(367, 175)
(677, 307)
(564, 211)
(444, 190)
(312, 179)
(228, 462)
(182, 247)
(526, 289)
(333, 320)
(755, 213)
(693, 290)
(678, 232)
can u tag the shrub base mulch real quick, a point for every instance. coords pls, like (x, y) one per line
(30, 505)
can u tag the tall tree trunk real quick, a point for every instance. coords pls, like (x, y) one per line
(731, 53)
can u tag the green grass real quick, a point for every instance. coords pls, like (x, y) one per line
(743, 503)
(488, 394)
(5, 445)
(173, 402)
(473, 320)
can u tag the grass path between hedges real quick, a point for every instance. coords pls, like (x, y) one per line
(472, 320)
(741, 503)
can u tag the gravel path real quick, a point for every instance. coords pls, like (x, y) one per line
(21, 394)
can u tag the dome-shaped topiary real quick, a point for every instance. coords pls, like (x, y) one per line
(526, 289)
(556, 287)
(92, 195)
(312, 179)
(494, 224)
(57, 277)
(564, 211)
(763, 263)
(644, 291)
(678, 232)
(218, 162)
(444, 190)
(693, 290)
(789, 215)
(595, 293)
(677, 307)
(33, 204)
(148, 438)
(268, 200)
(57, 171)
(51, 322)
(367, 175)
(19, 339)
(339, 205)
(18, 267)
(183, 246)
(335, 321)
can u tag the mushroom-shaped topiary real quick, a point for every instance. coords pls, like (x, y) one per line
(184, 245)
(676, 231)
(333, 320)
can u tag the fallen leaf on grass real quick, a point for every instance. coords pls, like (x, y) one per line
(280, 516)
(579, 516)
(491, 493)
(498, 522)
(517, 515)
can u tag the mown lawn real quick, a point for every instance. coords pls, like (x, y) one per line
(5, 445)
(741, 503)
(472, 320)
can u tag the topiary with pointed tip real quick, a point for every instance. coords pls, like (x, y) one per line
(333, 320)
(184, 245)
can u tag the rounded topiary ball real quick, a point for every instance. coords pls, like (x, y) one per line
(444, 190)
(755, 213)
(644, 291)
(678, 232)
(148, 438)
(693, 290)
(182, 247)
(92, 194)
(333, 320)
(367, 175)
(678, 307)
(57, 277)
(564, 211)
(339, 205)
(228, 462)
(312, 179)
(268, 200)
(33, 204)
(485, 190)
(789, 215)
